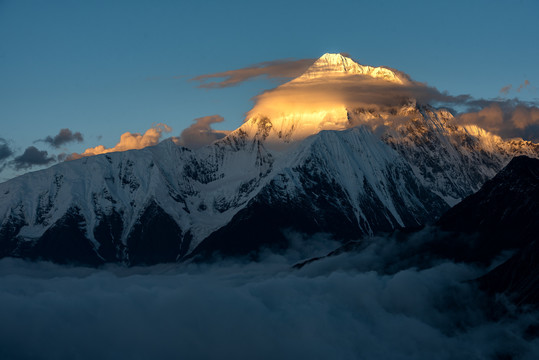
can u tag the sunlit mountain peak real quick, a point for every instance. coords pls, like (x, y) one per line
(317, 100)
(338, 65)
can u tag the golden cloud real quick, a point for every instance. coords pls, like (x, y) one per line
(350, 91)
(508, 119)
(128, 141)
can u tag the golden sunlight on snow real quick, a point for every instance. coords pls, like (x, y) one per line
(319, 99)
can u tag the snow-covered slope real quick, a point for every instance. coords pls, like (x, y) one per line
(339, 65)
(127, 192)
(345, 171)
(450, 160)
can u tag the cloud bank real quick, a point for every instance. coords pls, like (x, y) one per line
(336, 308)
(508, 119)
(128, 141)
(201, 133)
(270, 69)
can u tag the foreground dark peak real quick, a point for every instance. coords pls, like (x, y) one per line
(502, 216)
(504, 207)
(500, 220)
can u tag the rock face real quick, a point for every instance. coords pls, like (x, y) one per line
(503, 216)
(503, 212)
(354, 172)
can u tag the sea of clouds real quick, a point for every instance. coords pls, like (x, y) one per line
(371, 303)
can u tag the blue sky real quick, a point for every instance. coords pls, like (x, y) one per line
(102, 68)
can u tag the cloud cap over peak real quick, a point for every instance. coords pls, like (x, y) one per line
(309, 94)
(350, 91)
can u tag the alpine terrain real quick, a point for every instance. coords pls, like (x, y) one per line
(338, 165)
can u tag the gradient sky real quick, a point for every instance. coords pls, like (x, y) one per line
(102, 68)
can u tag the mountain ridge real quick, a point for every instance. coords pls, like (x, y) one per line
(373, 170)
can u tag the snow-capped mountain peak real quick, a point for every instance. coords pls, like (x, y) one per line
(289, 166)
(339, 65)
(315, 101)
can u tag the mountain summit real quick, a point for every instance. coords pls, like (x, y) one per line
(339, 65)
(319, 99)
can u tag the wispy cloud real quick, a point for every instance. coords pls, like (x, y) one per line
(63, 137)
(32, 156)
(201, 133)
(271, 69)
(524, 85)
(505, 90)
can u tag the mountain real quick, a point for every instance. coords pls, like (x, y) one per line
(502, 213)
(498, 221)
(517, 278)
(339, 65)
(502, 216)
(315, 167)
